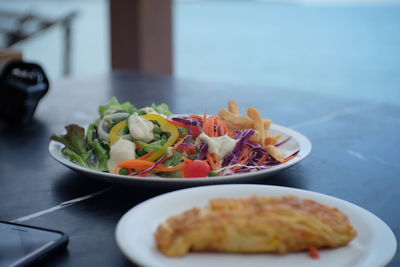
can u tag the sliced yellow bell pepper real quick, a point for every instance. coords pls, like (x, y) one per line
(115, 131)
(166, 127)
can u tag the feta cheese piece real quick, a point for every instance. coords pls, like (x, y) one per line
(140, 128)
(219, 146)
(120, 151)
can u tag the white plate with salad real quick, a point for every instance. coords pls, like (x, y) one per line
(151, 145)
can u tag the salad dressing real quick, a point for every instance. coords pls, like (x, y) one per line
(120, 151)
(140, 128)
(219, 146)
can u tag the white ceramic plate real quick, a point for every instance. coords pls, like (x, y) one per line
(296, 142)
(375, 244)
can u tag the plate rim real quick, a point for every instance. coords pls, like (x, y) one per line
(119, 236)
(304, 143)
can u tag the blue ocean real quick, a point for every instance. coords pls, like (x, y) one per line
(344, 50)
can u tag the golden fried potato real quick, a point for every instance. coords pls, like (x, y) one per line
(271, 140)
(254, 121)
(233, 107)
(237, 122)
(258, 123)
(266, 124)
(255, 137)
(275, 152)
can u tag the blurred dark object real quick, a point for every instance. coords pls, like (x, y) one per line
(22, 85)
(17, 27)
(9, 54)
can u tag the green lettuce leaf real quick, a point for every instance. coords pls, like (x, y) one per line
(89, 152)
(162, 109)
(76, 146)
(174, 159)
(113, 105)
(150, 147)
(99, 148)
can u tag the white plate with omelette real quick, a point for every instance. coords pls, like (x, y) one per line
(374, 245)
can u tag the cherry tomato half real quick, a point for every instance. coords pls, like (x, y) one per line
(194, 131)
(190, 150)
(195, 168)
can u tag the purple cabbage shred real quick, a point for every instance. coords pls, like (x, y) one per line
(202, 151)
(233, 156)
(151, 167)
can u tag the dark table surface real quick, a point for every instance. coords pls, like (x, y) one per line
(354, 157)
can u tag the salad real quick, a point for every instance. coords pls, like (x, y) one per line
(152, 141)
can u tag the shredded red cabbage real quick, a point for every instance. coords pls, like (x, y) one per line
(256, 152)
(188, 121)
(233, 156)
(192, 122)
(202, 151)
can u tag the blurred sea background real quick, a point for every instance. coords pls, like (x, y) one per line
(335, 47)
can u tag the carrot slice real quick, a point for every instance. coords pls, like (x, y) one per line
(289, 158)
(139, 165)
(220, 127)
(217, 161)
(178, 124)
(243, 158)
(213, 126)
(224, 126)
(196, 117)
(262, 159)
(186, 159)
(204, 119)
(210, 128)
(206, 127)
(145, 156)
(210, 161)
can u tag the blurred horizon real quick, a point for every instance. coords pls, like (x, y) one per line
(335, 47)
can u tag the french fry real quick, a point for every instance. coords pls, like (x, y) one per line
(255, 137)
(235, 122)
(253, 120)
(233, 107)
(267, 124)
(275, 153)
(257, 124)
(271, 140)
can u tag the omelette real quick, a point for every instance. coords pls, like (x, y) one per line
(255, 225)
